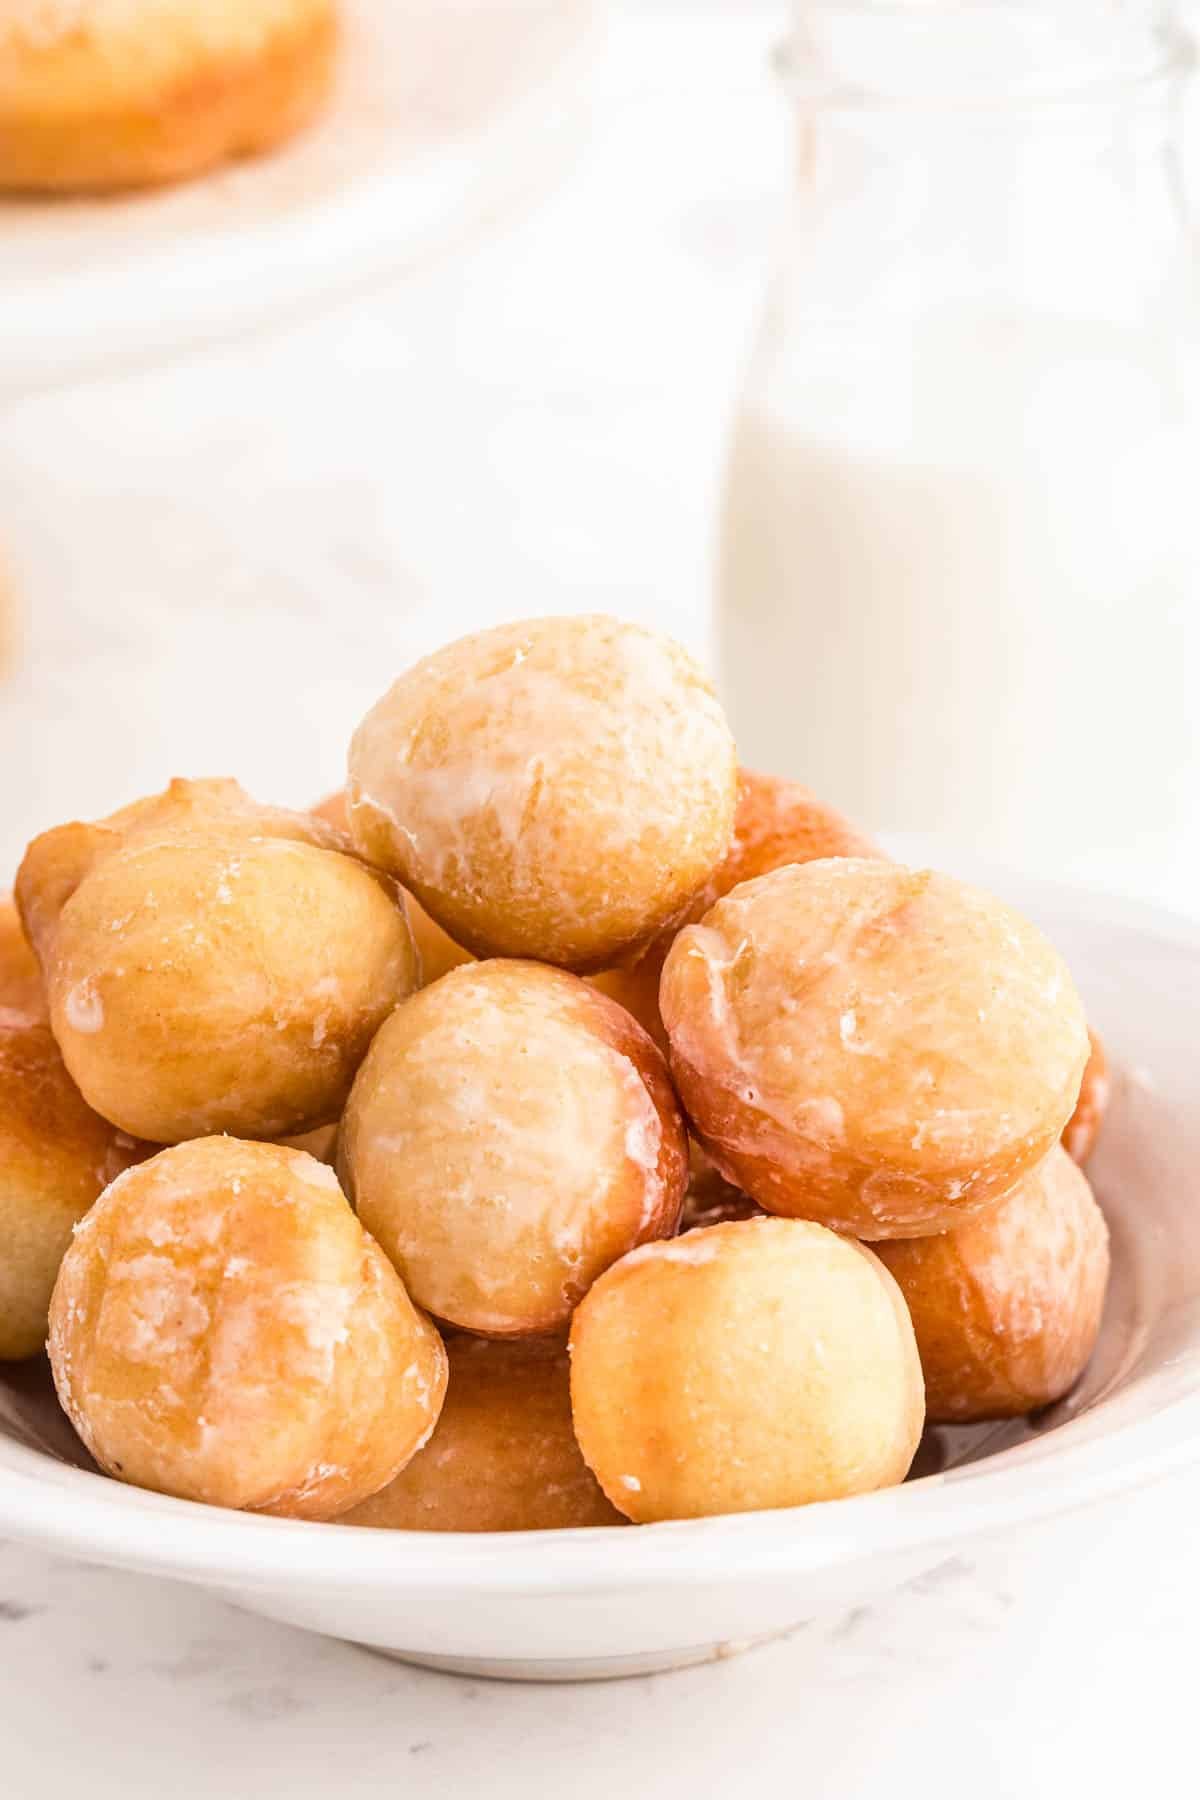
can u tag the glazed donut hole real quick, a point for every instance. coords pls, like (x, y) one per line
(1007, 1307)
(510, 1134)
(503, 1456)
(759, 1364)
(102, 95)
(208, 980)
(882, 1050)
(56, 1157)
(777, 822)
(57, 861)
(224, 1330)
(559, 789)
(1095, 1091)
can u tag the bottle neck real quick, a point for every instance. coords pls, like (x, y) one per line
(911, 186)
(979, 56)
(1123, 134)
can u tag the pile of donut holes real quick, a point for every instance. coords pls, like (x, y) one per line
(560, 1126)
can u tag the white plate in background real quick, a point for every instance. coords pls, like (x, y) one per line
(446, 111)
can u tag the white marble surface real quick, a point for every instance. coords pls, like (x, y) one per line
(1059, 1665)
(222, 562)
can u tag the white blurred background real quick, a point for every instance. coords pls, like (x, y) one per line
(219, 558)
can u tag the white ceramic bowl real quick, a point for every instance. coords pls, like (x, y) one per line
(603, 1602)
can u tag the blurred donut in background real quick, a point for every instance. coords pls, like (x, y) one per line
(100, 95)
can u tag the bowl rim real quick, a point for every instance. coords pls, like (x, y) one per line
(71, 1511)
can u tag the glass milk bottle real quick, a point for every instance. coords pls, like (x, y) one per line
(959, 576)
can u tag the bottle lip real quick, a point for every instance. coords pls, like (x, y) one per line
(983, 57)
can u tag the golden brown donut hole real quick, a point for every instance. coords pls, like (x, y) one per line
(1095, 1090)
(503, 1456)
(758, 1364)
(224, 1330)
(635, 987)
(779, 822)
(510, 1134)
(1007, 1307)
(883, 1050)
(96, 97)
(321, 1143)
(21, 989)
(56, 1157)
(209, 974)
(558, 789)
